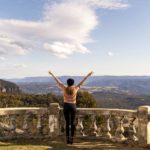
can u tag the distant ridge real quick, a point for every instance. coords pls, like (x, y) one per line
(120, 84)
(77, 78)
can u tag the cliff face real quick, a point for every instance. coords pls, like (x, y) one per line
(8, 87)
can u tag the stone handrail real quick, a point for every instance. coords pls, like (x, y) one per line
(22, 110)
(115, 124)
(107, 111)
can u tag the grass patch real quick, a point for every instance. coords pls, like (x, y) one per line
(59, 144)
(26, 147)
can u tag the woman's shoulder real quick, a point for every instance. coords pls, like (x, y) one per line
(76, 87)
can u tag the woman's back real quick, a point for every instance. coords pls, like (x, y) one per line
(70, 93)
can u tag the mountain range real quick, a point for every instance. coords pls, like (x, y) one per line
(119, 84)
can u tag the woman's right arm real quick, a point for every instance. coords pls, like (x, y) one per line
(82, 81)
(56, 79)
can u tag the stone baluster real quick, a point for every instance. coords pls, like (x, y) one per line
(12, 124)
(144, 125)
(93, 127)
(39, 125)
(79, 127)
(26, 121)
(120, 130)
(62, 124)
(54, 119)
(132, 130)
(107, 129)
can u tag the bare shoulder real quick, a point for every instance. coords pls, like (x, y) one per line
(62, 86)
(77, 87)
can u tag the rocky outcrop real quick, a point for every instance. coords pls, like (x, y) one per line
(8, 87)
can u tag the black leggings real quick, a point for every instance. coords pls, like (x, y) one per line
(70, 113)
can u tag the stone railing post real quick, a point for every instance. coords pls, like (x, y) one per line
(119, 134)
(54, 119)
(132, 130)
(39, 125)
(80, 127)
(13, 124)
(27, 124)
(107, 128)
(94, 127)
(144, 125)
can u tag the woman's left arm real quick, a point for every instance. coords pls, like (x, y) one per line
(88, 75)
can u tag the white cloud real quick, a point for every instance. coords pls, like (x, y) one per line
(8, 70)
(19, 65)
(2, 58)
(107, 4)
(64, 29)
(62, 50)
(110, 54)
(8, 46)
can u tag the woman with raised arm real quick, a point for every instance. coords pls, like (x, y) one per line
(70, 94)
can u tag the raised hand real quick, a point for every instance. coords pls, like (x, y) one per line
(50, 72)
(56, 79)
(90, 73)
(83, 80)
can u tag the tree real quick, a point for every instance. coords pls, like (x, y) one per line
(10, 100)
(85, 100)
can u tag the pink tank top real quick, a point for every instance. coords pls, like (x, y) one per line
(69, 98)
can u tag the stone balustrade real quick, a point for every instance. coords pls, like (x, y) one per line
(21, 122)
(116, 125)
(107, 123)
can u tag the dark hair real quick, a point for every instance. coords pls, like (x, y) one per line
(70, 89)
(70, 82)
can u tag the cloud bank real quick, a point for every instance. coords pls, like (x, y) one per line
(2, 58)
(63, 30)
(19, 66)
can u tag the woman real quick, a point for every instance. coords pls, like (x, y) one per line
(70, 93)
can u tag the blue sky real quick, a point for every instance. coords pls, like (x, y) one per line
(73, 37)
